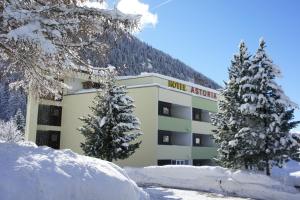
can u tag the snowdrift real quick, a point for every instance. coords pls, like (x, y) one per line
(289, 174)
(215, 179)
(28, 172)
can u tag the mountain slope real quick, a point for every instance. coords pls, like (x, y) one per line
(138, 57)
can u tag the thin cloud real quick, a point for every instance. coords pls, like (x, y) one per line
(162, 4)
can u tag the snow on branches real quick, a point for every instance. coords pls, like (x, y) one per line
(41, 40)
(255, 116)
(9, 132)
(111, 131)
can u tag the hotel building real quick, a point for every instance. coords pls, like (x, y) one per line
(174, 115)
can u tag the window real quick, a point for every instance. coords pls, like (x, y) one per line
(163, 162)
(172, 162)
(202, 162)
(201, 115)
(180, 162)
(166, 111)
(164, 137)
(196, 114)
(203, 140)
(49, 115)
(48, 138)
(90, 84)
(196, 139)
(164, 108)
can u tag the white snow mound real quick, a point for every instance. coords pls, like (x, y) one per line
(288, 174)
(28, 172)
(214, 179)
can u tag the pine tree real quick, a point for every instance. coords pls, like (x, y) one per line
(228, 120)
(268, 112)
(255, 116)
(4, 96)
(19, 120)
(112, 129)
(9, 132)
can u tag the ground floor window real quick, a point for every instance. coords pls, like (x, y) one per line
(172, 162)
(48, 138)
(203, 162)
(163, 162)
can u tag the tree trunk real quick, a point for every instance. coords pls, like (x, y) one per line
(268, 173)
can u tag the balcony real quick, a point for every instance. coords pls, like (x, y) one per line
(174, 124)
(204, 152)
(174, 138)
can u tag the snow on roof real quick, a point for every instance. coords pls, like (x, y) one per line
(146, 74)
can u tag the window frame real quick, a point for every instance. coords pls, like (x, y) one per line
(162, 105)
(161, 135)
(47, 136)
(197, 111)
(46, 115)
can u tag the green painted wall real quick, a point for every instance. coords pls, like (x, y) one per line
(204, 152)
(205, 104)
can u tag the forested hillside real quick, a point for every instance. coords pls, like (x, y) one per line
(131, 57)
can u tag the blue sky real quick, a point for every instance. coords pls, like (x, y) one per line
(205, 34)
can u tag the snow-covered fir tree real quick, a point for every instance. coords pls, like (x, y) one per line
(9, 132)
(229, 120)
(255, 116)
(111, 130)
(269, 114)
(19, 120)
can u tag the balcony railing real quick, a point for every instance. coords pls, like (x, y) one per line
(174, 124)
(204, 152)
(202, 127)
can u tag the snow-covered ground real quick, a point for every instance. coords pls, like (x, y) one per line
(289, 174)
(41, 173)
(160, 193)
(28, 172)
(216, 180)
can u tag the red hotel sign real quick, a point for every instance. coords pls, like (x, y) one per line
(205, 93)
(194, 90)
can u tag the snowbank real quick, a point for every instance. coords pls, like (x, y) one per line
(289, 174)
(41, 173)
(214, 179)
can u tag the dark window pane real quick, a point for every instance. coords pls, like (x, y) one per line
(203, 162)
(196, 114)
(90, 84)
(164, 108)
(164, 137)
(196, 139)
(163, 162)
(48, 138)
(49, 115)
